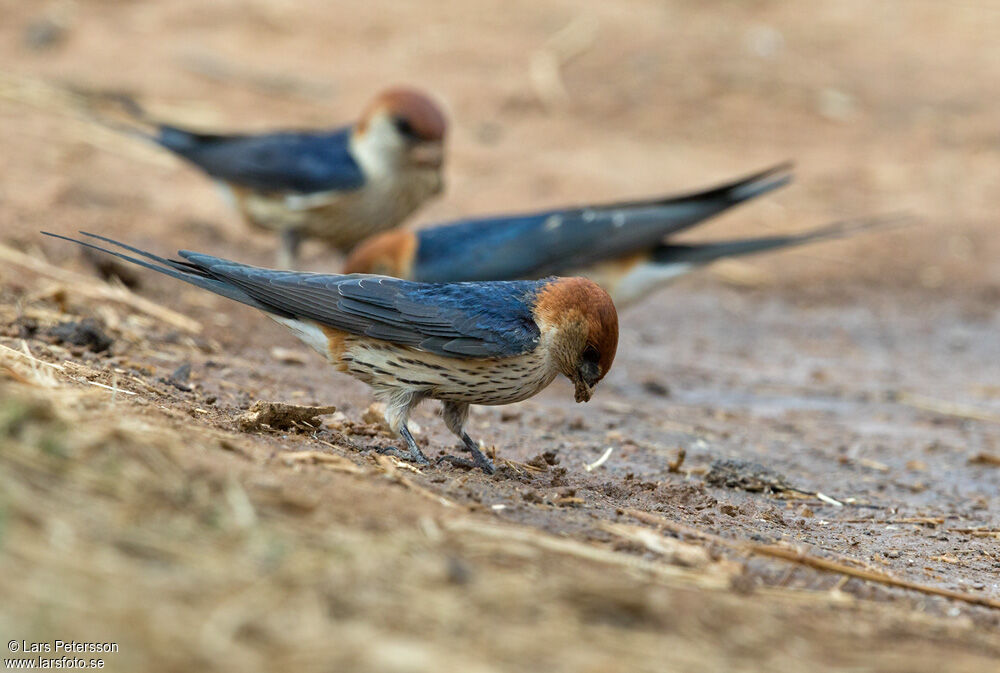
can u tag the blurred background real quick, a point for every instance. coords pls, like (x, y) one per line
(883, 107)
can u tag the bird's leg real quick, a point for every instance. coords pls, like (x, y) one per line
(288, 252)
(397, 410)
(455, 414)
(413, 451)
(479, 459)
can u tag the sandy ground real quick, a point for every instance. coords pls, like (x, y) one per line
(866, 370)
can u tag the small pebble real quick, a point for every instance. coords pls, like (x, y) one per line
(44, 34)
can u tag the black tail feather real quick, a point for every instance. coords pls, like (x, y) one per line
(120, 112)
(747, 188)
(185, 271)
(725, 195)
(704, 253)
(177, 264)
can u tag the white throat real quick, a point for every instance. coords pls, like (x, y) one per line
(379, 150)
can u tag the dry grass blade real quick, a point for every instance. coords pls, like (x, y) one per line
(985, 459)
(392, 472)
(922, 520)
(674, 466)
(977, 532)
(521, 467)
(403, 465)
(40, 373)
(682, 529)
(713, 578)
(48, 380)
(590, 467)
(948, 408)
(677, 552)
(828, 500)
(817, 562)
(92, 288)
(327, 460)
(946, 558)
(827, 565)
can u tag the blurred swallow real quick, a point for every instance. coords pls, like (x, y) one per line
(623, 248)
(551, 242)
(339, 186)
(461, 343)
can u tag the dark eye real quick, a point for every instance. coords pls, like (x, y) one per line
(591, 354)
(404, 127)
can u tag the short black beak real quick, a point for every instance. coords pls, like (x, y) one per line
(589, 373)
(587, 376)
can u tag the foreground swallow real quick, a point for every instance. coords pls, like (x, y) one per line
(339, 186)
(461, 343)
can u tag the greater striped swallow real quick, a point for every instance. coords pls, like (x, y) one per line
(340, 186)
(624, 248)
(563, 241)
(462, 343)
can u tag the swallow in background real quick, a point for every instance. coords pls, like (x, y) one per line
(554, 242)
(461, 343)
(340, 186)
(621, 247)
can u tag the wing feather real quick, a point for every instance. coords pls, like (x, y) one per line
(465, 320)
(473, 320)
(557, 241)
(287, 162)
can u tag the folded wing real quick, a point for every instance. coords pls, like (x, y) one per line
(554, 242)
(465, 320)
(296, 162)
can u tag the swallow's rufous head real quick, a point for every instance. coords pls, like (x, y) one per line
(404, 128)
(581, 323)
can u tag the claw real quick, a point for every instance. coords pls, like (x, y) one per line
(419, 458)
(485, 465)
(479, 458)
(456, 461)
(416, 455)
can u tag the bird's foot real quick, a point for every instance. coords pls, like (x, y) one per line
(415, 454)
(418, 457)
(456, 461)
(479, 458)
(485, 466)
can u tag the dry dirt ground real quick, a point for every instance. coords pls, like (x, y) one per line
(866, 370)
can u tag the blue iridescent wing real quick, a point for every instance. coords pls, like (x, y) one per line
(296, 162)
(557, 241)
(465, 320)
